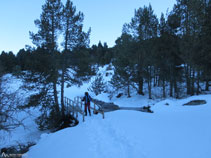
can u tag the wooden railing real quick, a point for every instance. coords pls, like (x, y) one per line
(75, 107)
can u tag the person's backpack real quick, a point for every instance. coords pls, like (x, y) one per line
(88, 98)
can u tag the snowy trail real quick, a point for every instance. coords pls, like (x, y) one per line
(106, 137)
(96, 138)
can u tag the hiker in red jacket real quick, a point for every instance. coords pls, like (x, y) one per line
(87, 100)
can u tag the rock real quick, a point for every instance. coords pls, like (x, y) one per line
(119, 95)
(196, 102)
(147, 109)
(106, 107)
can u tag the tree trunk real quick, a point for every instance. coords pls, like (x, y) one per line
(140, 86)
(155, 78)
(55, 95)
(159, 82)
(150, 89)
(164, 88)
(128, 91)
(193, 81)
(171, 87)
(62, 89)
(154, 82)
(187, 75)
(55, 72)
(207, 85)
(54, 81)
(176, 92)
(150, 83)
(198, 81)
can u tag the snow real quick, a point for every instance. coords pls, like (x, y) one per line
(134, 101)
(75, 91)
(28, 133)
(21, 135)
(172, 131)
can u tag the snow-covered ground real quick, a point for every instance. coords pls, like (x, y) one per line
(173, 131)
(22, 135)
(28, 133)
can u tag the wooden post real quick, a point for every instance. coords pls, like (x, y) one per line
(74, 107)
(67, 106)
(70, 104)
(64, 103)
(83, 117)
(77, 108)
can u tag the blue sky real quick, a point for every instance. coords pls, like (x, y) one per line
(105, 17)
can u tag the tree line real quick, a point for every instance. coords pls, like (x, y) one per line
(172, 52)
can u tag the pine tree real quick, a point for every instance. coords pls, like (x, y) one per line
(124, 72)
(204, 58)
(74, 38)
(49, 26)
(98, 85)
(191, 17)
(167, 54)
(8, 61)
(143, 27)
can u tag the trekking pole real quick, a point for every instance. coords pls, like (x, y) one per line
(103, 115)
(83, 118)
